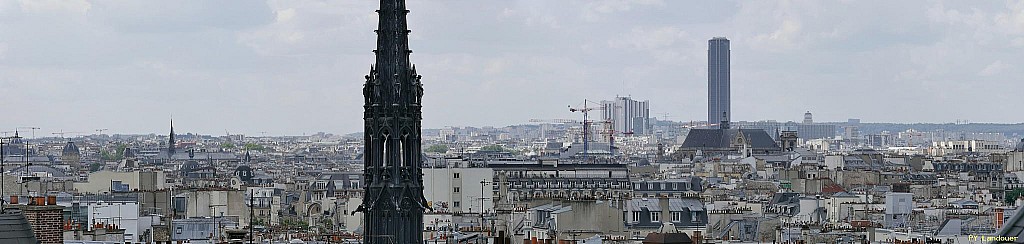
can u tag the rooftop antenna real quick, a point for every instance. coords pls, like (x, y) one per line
(2, 165)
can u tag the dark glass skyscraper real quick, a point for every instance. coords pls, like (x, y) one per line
(718, 80)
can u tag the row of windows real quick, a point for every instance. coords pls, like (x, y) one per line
(566, 185)
(656, 216)
(565, 174)
(662, 185)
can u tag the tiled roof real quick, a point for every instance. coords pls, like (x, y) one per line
(637, 205)
(718, 138)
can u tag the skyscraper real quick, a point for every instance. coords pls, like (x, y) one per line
(627, 115)
(718, 81)
(393, 204)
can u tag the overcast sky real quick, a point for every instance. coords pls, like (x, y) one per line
(294, 67)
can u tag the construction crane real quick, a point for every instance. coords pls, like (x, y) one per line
(30, 128)
(554, 121)
(585, 110)
(665, 116)
(8, 132)
(610, 132)
(62, 133)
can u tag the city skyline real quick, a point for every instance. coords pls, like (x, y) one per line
(296, 67)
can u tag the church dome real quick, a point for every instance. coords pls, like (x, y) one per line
(70, 149)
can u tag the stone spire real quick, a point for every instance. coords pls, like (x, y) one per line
(171, 143)
(393, 204)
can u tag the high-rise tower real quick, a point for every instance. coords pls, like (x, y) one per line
(718, 81)
(627, 115)
(393, 204)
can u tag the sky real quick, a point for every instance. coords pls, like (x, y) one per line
(295, 67)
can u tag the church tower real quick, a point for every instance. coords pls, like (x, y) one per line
(171, 142)
(393, 204)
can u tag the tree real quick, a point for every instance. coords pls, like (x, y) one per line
(437, 148)
(1013, 195)
(95, 167)
(227, 145)
(253, 147)
(116, 155)
(326, 224)
(294, 224)
(106, 155)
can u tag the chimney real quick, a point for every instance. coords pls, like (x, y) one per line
(665, 213)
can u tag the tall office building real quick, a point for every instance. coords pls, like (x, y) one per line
(718, 80)
(627, 115)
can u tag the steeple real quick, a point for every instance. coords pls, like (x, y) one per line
(394, 203)
(724, 124)
(392, 77)
(171, 143)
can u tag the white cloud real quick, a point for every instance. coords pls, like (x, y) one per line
(50, 6)
(594, 10)
(994, 68)
(485, 56)
(285, 15)
(667, 44)
(784, 37)
(650, 38)
(310, 27)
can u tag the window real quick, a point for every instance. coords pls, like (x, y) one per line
(457, 190)
(456, 175)
(655, 216)
(636, 216)
(693, 216)
(456, 204)
(677, 216)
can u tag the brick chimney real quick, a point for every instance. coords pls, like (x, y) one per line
(44, 219)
